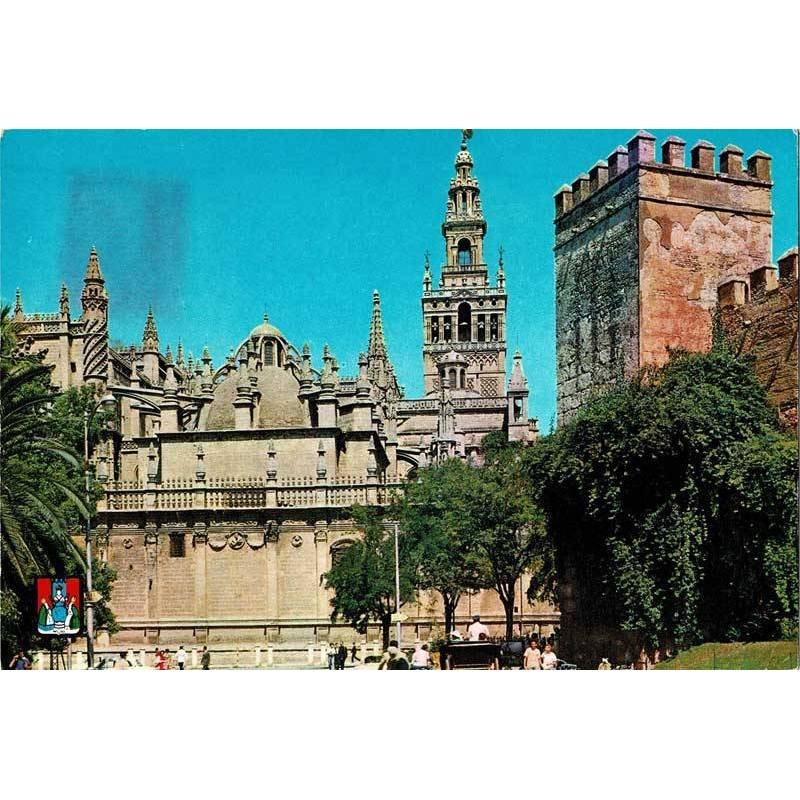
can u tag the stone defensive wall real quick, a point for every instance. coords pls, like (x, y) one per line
(641, 246)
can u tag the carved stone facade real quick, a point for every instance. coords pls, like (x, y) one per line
(228, 489)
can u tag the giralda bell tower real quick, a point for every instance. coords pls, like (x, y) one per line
(465, 314)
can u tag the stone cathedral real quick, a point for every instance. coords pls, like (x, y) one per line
(227, 487)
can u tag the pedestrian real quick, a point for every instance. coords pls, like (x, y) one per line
(122, 662)
(533, 656)
(205, 659)
(421, 658)
(394, 657)
(353, 656)
(549, 659)
(476, 629)
(181, 657)
(331, 656)
(167, 659)
(20, 661)
(159, 659)
(341, 656)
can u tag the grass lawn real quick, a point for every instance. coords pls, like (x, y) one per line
(736, 655)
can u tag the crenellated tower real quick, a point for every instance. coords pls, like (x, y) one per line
(94, 301)
(466, 313)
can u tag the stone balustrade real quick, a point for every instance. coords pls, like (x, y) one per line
(236, 493)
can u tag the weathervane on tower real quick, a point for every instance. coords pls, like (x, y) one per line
(466, 135)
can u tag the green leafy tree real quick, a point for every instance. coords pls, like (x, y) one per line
(362, 576)
(435, 518)
(509, 530)
(671, 501)
(42, 508)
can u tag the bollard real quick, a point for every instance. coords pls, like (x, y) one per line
(143, 657)
(270, 657)
(310, 655)
(323, 656)
(363, 652)
(258, 656)
(194, 658)
(131, 658)
(40, 661)
(80, 663)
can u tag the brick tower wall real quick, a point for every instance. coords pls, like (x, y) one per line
(760, 319)
(597, 292)
(696, 228)
(641, 247)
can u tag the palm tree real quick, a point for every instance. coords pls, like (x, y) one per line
(36, 498)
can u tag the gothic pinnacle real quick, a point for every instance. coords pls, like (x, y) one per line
(63, 300)
(93, 267)
(377, 343)
(18, 303)
(150, 334)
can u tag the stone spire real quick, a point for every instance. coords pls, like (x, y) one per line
(94, 302)
(379, 367)
(93, 268)
(377, 344)
(18, 304)
(517, 381)
(179, 357)
(63, 301)
(150, 334)
(426, 280)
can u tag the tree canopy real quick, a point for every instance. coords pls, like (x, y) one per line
(42, 500)
(362, 575)
(671, 501)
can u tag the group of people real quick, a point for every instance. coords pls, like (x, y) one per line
(337, 656)
(536, 658)
(166, 661)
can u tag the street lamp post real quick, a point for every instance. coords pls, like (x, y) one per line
(397, 580)
(87, 417)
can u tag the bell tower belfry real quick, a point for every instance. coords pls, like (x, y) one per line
(466, 313)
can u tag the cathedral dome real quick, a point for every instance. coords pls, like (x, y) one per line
(279, 406)
(265, 329)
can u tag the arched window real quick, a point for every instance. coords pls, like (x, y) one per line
(338, 549)
(269, 354)
(453, 384)
(435, 329)
(464, 322)
(463, 379)
(464, 253)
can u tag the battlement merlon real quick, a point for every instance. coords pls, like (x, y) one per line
(640, 155)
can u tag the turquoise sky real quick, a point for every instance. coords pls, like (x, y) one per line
(215, 228)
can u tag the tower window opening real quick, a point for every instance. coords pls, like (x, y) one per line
(464, 253)
(280, 356)
(269, 355)
(481, 327)
(435, 329)
(464, 322)
(447, 329)
(463, 379)
(453, 383)
(517, 409)
(493, 328)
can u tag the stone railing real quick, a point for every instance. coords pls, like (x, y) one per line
(250, 493)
